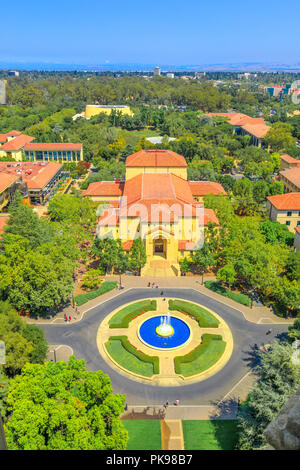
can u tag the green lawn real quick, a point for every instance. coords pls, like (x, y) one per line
(210, 434)
(144, 434)
(237, 297)
(202, 357)
(130, 358)
(124, 316)
(106, 286)
(204, 318)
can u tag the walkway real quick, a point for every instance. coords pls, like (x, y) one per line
(171, 434)
(261, 315)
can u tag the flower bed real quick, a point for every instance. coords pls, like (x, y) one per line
(125, 354)
(204, 318)
(124, 316)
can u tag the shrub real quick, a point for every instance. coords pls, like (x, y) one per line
(154, 360)
(216, 287)
(81, 299)
(204, 318)
(202, 357)
(124, 316)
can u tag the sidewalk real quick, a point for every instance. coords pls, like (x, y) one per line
(255, 315)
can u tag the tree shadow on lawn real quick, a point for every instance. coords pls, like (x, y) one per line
(147, 413)
(224, 423)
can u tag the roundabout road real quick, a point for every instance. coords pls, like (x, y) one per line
(81, 337)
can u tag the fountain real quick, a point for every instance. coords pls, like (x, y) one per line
(165, 328)
(164, 332)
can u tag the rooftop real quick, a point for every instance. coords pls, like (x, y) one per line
(155, 158)
(288, 201)
(104, 188)
(292, 175)
(53, 146)
(17, 143)
(6, 180)
(35, 174)
(255, 126)
(201, 188)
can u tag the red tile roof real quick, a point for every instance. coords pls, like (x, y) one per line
(104, 188)
(13, 133)
(210, 216)
(201, 188)
(127, 245)
(17, 143)
(6, 180)
(53, 146)
(288, 201)
(156, 158)
(297, 230)
(292, 175)
(3, 138)
(186, 245)
(255, 126)
(288, 159)
(35, 174)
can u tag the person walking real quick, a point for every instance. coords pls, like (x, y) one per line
(70, 318)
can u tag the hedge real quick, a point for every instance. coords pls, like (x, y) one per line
(106, 286)
(140, 356)
(202, 357)
(124, 316)
(204, 318)
(216, 287)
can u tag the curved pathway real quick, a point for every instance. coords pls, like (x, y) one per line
(81, 337)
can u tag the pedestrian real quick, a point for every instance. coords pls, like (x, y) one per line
(149, 284)
(177, 402)
(126, 407)
(70, 318)
(269, 331)
(156, 286)
(153, 284)
(66, 318)
(162, 292)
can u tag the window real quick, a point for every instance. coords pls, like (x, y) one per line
(50, 155)
(298, 223)
(288, 222)
(289, 213)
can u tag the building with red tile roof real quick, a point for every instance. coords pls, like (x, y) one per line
(243, 124)
(297, 239)
(286, 162)
(157, 204)
(16, 145)
(291, 179)
(285, 208)
(7, 183)
(40, 179)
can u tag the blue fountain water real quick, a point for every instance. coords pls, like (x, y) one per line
(148, 333)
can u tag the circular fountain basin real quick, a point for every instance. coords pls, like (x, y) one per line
(160, 336)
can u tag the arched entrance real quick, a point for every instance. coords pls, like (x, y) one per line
(160, 247)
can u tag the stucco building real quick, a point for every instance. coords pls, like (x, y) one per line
(285, 208)
(158, 204)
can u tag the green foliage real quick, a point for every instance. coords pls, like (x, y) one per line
(107, 286)
(292, 266)
(204, 318)
(4, 386)
(276, 232)
(124, 316)
(216, 287)
(23, 343)
(278, 380)
(123, 352)
(91, 278)
(137, 255)
(202, 357)
(227, 274)
(110, 253)
(279, 137)
(40, 347)
(294, 330)
(61, 406)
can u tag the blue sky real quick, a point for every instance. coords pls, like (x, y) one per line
(150, 32)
